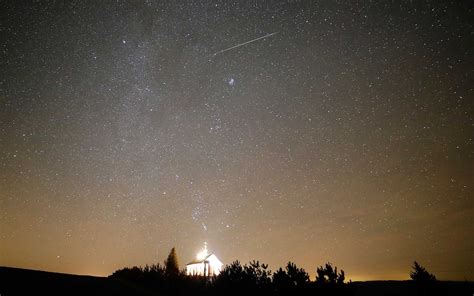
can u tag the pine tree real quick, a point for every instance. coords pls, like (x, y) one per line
(171, 263)
(420, 274)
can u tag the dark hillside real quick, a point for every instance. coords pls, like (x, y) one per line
(16, 281)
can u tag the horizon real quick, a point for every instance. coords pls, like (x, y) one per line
(303, 131)
(402, 275)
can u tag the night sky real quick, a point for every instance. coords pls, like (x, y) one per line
(343, 134)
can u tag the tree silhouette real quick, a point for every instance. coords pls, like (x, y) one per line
(237, 279)
(298, 276)
(329, 275)
(420, 274)
(253, 278)
(258, 273)
(290, 280)
(171, 263)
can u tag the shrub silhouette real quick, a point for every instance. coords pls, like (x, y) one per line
(150, 275)
(131, 274)
(420, 274)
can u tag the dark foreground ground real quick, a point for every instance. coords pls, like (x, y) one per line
(395, 288)
(15, 281)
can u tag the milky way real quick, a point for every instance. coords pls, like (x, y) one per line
(346, 137)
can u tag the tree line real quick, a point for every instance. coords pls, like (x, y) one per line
(252, 278)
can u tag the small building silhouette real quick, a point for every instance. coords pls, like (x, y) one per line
(205, 264)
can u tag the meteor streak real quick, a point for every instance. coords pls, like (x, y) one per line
(242, 44)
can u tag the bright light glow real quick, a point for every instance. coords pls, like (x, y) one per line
(207, 264)
(203, 253)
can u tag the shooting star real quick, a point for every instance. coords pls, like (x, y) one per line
(242, 44)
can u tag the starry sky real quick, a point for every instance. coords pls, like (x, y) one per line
(344, 134)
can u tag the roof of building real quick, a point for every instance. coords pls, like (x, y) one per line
(200, 261)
